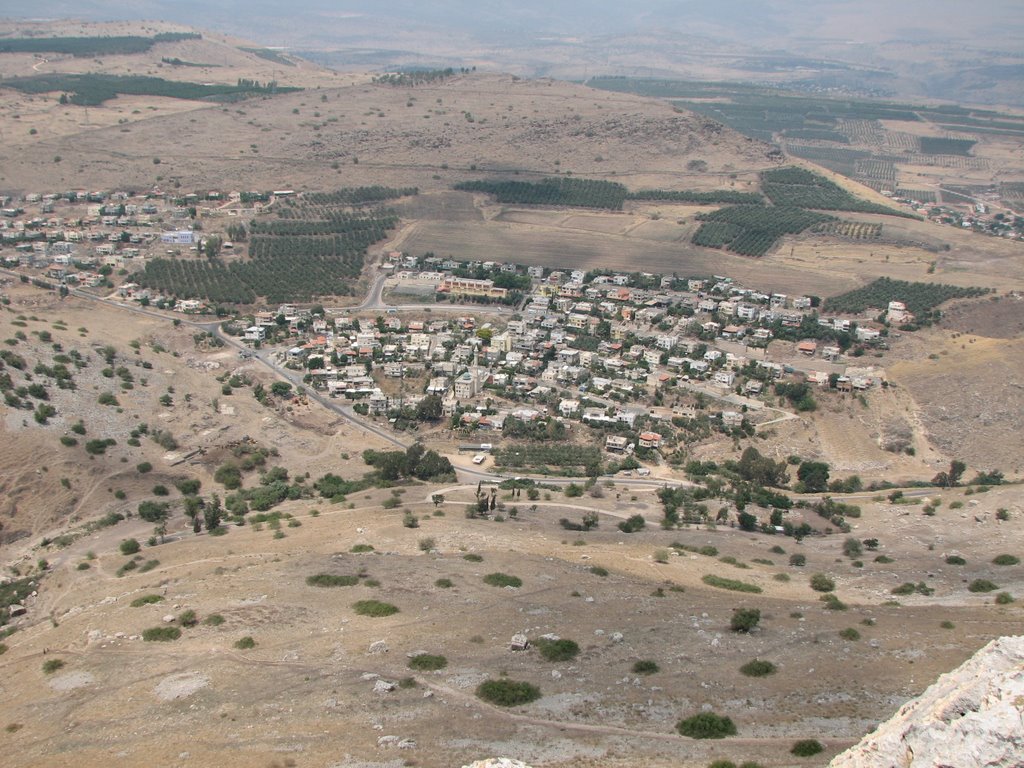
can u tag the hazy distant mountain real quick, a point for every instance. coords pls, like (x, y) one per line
(305, 21)
(922, 47)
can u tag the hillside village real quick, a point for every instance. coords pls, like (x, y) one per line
(649, 363)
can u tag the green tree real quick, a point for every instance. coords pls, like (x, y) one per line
(429, 408)
(212, 513)
(212, 245)
(951, 477)
(814, 476)
(280, 388)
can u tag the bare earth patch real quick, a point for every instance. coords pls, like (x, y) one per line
(181, 686)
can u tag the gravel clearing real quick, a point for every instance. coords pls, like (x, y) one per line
(181, 686)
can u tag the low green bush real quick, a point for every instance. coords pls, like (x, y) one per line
(758, 668)
(245, 643)
(507, 693)
(129, 546)
(706, 725)
(52, 665)
(557, 650)
(331, 580)
(822, 583)
(502, 580)
(744, 619)
(138, 602)
(1006, 560)
(807, 748)
(982, 585)
(427, 662)
(731, 584)
(374, 608)
(160, 634)
(645, 667)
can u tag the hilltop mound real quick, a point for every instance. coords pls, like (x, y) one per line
(429, 135)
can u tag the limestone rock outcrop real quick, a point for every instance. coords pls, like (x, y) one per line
(972, 716)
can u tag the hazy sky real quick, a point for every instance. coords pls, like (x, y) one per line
(305, 20)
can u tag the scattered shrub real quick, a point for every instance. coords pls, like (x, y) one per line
(849, 634)
(507, 693)
(426, 662)
(955, 560)
(597, 570)
(982, 585)
(706, 725)
(444, 583)
(473, 558)
(213, 620)
(1004, 598)
(822, 583)
(138, 602)
(833, 603)
(731, 584)
(744, 619)
(758, 668)
(1005, 560)
(331, 580)
(374, 608)
(632, 524)
(52, 665)
(645, 667)
(245, 643)
(360, 548)
(502, 580)
(806, 748)
(557, 650)
(188, 618)
(798, 560)
(129, 546)
(160, 634)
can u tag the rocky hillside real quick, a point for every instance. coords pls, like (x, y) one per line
(973, 716)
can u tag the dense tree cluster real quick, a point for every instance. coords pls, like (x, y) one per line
(800, 188)
(416, 462)
(752, 230)
(92, 89)
(919, 298)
